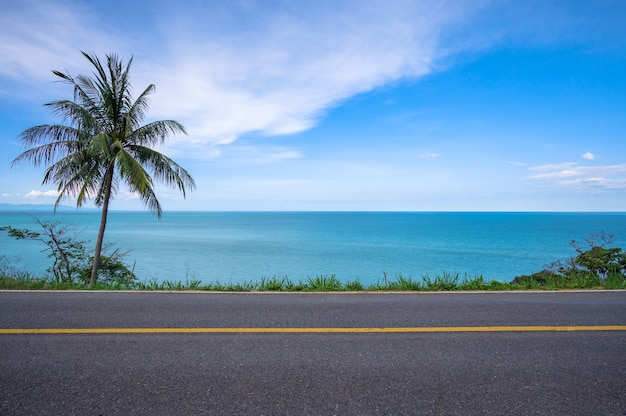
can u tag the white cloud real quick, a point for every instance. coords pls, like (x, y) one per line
(554, 167)
(591, 177)
(429, 155)
(38, 194)
(301, 62)
(41, 36)
(124, 194)
(589, 156)
(598, 183)
(228, 69)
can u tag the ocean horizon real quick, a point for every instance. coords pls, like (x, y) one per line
(241, 246)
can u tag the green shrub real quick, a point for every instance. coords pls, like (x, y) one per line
(447, 281)
(403, 283)
(324, 283)
(595, 265)
(274, 284)
(354, 286)
(535, 279)
(71, 262)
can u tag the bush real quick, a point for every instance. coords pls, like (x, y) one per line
(595, 265)
(539, 278)
(71, 262)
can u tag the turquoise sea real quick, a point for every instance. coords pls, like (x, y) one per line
(232, 247)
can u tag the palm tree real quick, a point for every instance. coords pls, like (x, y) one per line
(103, 144)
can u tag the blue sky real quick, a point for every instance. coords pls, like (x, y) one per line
(346, 105)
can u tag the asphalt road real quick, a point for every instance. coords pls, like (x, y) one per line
(516, 372)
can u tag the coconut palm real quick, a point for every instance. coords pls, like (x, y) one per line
(102, 144)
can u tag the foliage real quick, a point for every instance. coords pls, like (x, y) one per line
(71, 262)
(594, 265)
(447, 281)
(12, 279)
(324, 283)
(402, 283)
(104, 144)
(354, 286)
(8, 270)
(599, 259)
(536, 279)
(275, 284)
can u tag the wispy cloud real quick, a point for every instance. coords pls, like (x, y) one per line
(286, 67)
(260, 155)
(241, 67)
(433, 155)
(39, 36)
(38, 194)
(561, 167)
(597, 183)
(589, 156)
(585, 177)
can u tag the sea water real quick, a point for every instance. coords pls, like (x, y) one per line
(235, 247)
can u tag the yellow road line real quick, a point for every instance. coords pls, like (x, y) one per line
(442, 329)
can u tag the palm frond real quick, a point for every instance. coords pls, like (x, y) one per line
(102, 132)
(133, 173)
(77, 175)
(51, 143)
(138, 109)
(89, 96)
(150, 200)
(156, 132)
(78, 116)
(101, 143)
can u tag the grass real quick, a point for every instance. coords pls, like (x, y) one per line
(35, 283)
(400, 284)
(324, 284)
(11, 279)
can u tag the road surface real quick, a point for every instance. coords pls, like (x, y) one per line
(156, 353)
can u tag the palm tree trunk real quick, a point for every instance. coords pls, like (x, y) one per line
(103, 223)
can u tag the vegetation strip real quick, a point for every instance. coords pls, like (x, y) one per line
(547, 328)
(598, 267)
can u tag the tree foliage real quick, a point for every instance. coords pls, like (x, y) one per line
(71, 262)
(593, 259)
(102, 144)
(597, 258)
